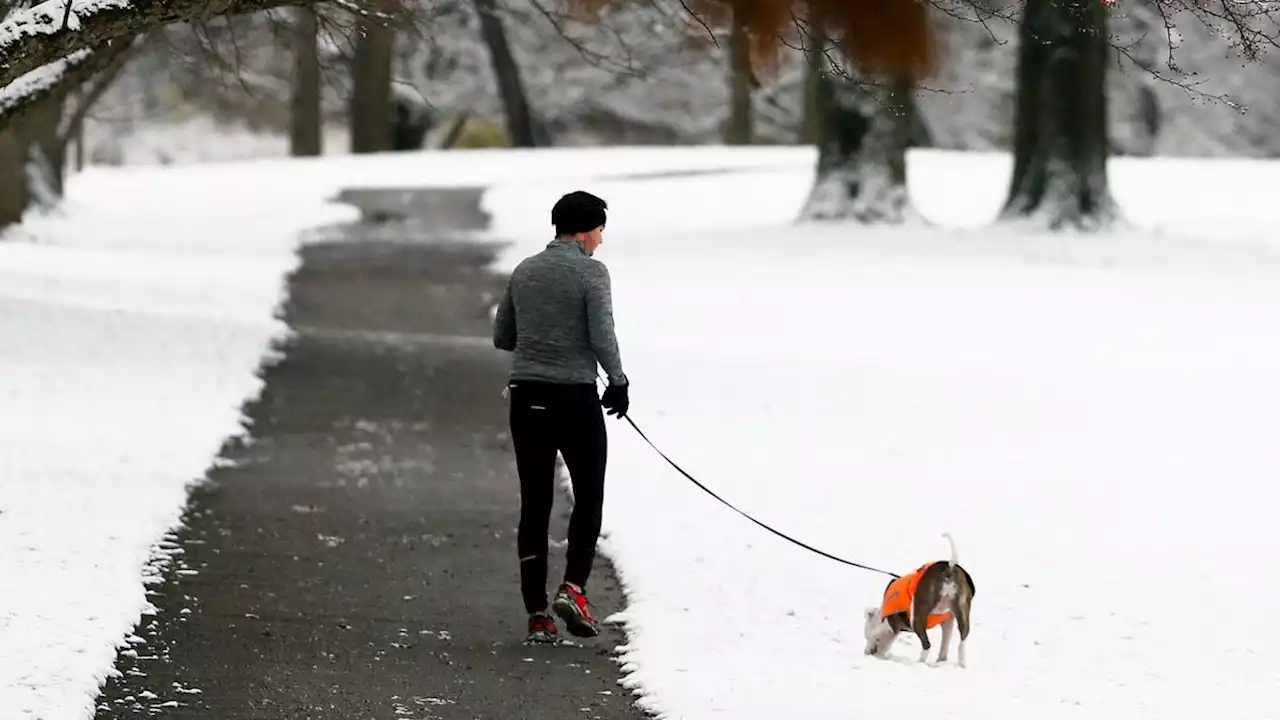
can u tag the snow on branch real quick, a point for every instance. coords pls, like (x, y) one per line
(56, 78)
(51, 16)
(38, 82)
(48, 34)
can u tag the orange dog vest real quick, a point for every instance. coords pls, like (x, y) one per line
(901, 592)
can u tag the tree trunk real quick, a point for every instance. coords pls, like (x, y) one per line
(1149, 119)
(811, 118)
(1147, 107)
(37, 129)
(1060, 135)
(739, 130)
(79, 140)
(520, 122)
(305, 138)
(46, 151)
(32, 160)
(862, 146)
(371, 110)
(13, 177)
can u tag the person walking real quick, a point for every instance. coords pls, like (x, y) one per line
(556, 317)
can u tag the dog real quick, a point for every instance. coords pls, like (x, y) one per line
(937, 593)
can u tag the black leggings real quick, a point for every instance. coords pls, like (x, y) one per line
(546, 418)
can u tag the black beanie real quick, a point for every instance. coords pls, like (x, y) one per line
(578, 212)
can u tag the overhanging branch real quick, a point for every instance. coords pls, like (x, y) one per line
(115, 58)
(56, 78)
(37, 37)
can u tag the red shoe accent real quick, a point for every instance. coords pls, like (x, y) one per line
(542, 628)
(571, 605)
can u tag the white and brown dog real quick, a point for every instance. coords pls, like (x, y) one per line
(937, 593)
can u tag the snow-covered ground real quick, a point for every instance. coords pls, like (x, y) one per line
(131, 330)
(1091, 416)
(121, 372)
(133, 324)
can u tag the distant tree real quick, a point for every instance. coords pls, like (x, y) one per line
(522, 128)
(1060, 130)
(372, 110)
(1143, 53)
(1061, 141)
(740, 130)
(862, 135)
(865, 112)
(862, 117)
(306, 122)
(815, 66)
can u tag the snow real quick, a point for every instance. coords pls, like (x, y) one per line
(38, 80)
(1092, 417)
(47, 18)
(134, 320)
(197, 139)
(132, 332)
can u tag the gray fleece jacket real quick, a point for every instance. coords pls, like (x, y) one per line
(557, 317)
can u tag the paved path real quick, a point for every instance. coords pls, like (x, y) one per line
(357, 560)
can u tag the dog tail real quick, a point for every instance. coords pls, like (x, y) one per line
(955, 554)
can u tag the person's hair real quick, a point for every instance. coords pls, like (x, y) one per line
(578, 212)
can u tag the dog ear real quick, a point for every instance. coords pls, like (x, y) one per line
(871, 611)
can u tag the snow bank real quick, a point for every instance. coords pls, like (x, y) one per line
(133, 327)
(121, 373)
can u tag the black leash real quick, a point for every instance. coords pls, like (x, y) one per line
(729, 505)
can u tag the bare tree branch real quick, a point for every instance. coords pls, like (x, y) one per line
(117, 58)
(597, 59)
(47, 35)
(60, 77)
(36, 37)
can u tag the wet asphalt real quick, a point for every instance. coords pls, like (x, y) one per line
(354, 556)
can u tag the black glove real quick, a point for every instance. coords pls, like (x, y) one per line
(615, 400)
